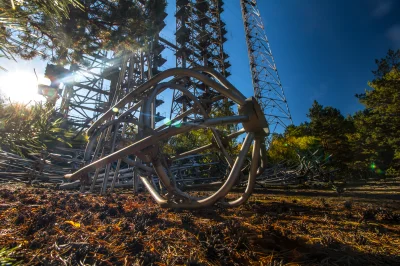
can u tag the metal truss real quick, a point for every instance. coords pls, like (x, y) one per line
(200, 35)
(93, 84)
(134, 68)
(99, 81)
(266, 82)
(144, 149)
(87, 90)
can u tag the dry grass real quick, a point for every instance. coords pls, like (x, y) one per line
(276, 227)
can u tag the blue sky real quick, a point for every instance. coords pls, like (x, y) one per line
(324, 50)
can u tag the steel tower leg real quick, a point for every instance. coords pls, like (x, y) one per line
(267, 85)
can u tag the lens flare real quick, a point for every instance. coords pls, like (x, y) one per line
(379, 171)
(178, 124)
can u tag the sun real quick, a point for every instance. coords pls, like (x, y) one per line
(21, 86)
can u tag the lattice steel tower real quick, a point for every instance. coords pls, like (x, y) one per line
(266, 82)
(200, 35)
(101, 78)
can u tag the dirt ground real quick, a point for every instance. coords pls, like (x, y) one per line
(292, 226)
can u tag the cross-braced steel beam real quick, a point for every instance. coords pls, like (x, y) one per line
(200, 35)
(267, 85)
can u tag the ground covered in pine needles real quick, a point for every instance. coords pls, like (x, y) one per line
(44, 226)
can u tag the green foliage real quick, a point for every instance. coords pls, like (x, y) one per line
(288, 147)
(197, 138)
(364, 144)
(17, 17)
(387, 64)
(6, 256)
(326, 132)
(332, 128)
(30, 129)
(78, 29)
(188, 141)
(297, 131)
(380, 122)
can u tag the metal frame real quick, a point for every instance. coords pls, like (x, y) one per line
(88, 96)
(132, 103)
(146, 146)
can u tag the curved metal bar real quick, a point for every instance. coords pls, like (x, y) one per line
(167, 182)
(146, 146)
(240, 99)
(220, 78)
(150, 140)
(160, 87)
(208, 146)
(251, 179)
(160, 200)
(131, 109)
(221, 193)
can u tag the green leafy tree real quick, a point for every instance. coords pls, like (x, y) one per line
(298, 131)
(332, 129)
(365, 150)
(364, 144)
(381, 118)
(287, 147)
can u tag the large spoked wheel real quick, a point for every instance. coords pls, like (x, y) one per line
(156, 146)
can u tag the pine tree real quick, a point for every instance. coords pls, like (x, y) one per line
(332, 128)
(124, 25)
(382, 115)
(16, 17)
